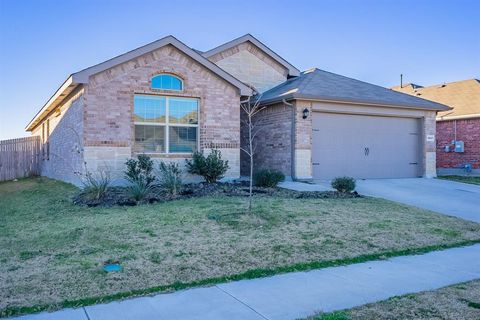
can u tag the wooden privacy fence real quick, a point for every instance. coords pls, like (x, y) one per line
(20, 158)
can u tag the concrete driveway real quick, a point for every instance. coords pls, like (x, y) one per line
(448, 197)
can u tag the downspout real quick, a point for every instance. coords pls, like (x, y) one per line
(455, 131)
(292, 139)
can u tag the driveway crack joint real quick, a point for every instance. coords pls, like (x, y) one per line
(86, 313)
(246, 305)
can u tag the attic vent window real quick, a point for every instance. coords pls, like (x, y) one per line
(167, 82)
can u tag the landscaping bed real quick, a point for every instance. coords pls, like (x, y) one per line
(52, 251)
(461, 301)
(121, 196)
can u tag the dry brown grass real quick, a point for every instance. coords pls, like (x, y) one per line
(52, 251)
(456, 302)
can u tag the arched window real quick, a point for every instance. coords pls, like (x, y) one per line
(167, 82)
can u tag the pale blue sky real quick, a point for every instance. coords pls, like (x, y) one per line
(42, 42)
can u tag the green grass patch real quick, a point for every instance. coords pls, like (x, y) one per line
(464, 179)
(52, 252)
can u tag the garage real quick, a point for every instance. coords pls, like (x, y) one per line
(365, 146)
(339, 126)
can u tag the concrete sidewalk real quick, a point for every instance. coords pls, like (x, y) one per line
(294, 295)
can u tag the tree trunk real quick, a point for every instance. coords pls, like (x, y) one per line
(251, 164)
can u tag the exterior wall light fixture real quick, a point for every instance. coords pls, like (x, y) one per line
(305, 112)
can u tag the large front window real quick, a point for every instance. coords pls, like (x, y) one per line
(165, 124)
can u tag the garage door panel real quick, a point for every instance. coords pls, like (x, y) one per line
(365, 146)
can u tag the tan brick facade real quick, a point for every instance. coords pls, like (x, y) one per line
(93, 126)
(102, 116)
(303, 142)
(251, 65)
(62, 137)
(109, 107)
(109, 99)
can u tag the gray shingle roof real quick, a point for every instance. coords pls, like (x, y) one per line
(322, 85)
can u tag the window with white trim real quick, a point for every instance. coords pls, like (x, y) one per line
(165, 124)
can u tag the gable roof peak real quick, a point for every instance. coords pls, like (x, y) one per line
(292, 70)
(83, 76)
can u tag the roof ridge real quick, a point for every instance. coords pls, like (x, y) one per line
(317, 84)
(453, 82)
(308, 76)
(378, 86)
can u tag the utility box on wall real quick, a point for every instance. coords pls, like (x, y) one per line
(459, 146)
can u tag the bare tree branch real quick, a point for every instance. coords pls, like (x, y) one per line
(253, 123)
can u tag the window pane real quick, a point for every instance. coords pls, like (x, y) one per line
(167, 82)
(149, 138)
(149, 109)
(182, 139)
(176, 83)
(183, 111)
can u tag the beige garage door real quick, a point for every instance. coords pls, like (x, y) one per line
(365, 146)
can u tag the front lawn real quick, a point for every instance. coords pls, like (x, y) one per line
(464, 179)
(52, 252)
(461, 301)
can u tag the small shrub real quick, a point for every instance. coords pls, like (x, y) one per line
(170, 177)
(95, 187)
(139, 190)
(211, 168)
(343, 184)
(139, 173)
(268, 178)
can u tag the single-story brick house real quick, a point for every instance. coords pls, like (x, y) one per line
(167, 100)
(458, 127)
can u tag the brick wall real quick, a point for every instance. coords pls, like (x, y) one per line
(303, 141)
(468, 131)
(251, 65)
(109, 97)
(62, 148)
(273, 142)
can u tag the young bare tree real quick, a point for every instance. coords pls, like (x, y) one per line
(253, 123)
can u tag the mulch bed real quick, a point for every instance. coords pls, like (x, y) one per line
(120, 196)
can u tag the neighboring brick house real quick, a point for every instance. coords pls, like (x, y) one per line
(462, 124)
(167, 100)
